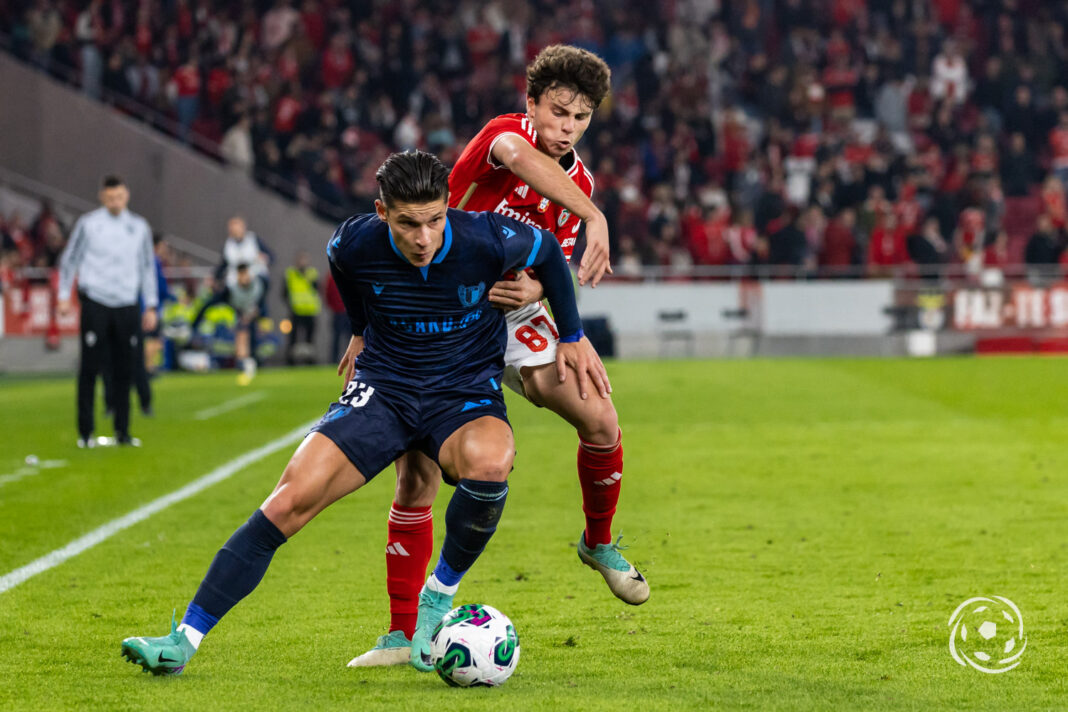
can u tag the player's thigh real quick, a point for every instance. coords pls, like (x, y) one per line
(418, 479)
(317, 475)
(594, 417)
(532, 339)
(482, 449)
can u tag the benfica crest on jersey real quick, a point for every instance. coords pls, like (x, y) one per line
(564, 215)
(543, 205)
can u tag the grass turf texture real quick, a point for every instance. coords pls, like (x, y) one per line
(807, 528)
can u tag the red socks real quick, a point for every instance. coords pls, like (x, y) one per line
(409, 545)
(600, 468)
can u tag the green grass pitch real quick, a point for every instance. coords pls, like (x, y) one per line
(807, 528)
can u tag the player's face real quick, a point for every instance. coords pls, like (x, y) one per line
(560, 116)
(418, 228)
(115, 199)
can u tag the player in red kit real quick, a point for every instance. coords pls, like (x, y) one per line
(525, 166)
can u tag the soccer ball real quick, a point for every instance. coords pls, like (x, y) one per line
(474, 646)
(987, 634)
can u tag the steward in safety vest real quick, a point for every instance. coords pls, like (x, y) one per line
(301, 290)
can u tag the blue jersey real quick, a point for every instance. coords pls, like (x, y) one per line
(434, 325)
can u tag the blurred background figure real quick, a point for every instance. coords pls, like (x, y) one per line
(301, 292)
(244, 247)
(244, 297)
(110, 255)
(340, 328)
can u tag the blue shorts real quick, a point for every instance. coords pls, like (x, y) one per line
(376, 420)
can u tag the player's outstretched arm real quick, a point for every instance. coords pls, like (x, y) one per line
(545, 176)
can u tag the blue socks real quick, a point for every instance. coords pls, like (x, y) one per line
(236, 570)
(470, 520)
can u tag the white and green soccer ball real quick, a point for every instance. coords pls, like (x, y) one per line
(474, 646)
(987, 634)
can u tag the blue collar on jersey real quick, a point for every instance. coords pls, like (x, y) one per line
(438, 258)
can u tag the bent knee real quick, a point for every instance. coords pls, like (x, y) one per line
(489, 464)
(601, 425)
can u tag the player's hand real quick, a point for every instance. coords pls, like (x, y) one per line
(64, 308)
(149, 319)
(587, 365)
(595, 260)
(509, 294)
(347, 365)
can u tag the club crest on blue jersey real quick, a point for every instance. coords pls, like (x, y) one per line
(469, 295)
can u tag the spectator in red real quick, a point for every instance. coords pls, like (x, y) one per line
(996, 254)
(219, 82)
(840, 83)
(314, 23)
(286, 113)
(186, 87)
(839, 243)
(735, 147)
(716, 251)
(886, 247)
(337, 63)
(742, 238)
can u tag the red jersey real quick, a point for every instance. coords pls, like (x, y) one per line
(478, 183)
(1058, 143)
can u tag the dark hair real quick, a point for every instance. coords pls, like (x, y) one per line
(412, 177)
(111, 181)
(567, 67)
(242, 266)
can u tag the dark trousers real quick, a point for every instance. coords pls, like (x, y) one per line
(342, 332)
(305, 324)
(140, 378)
(110, 341)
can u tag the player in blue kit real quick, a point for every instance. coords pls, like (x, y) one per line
(413, 278)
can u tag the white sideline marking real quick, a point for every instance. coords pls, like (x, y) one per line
(87, 541)
(229, 405)
(30, 470)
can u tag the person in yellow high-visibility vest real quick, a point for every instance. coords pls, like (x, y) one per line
(301, 290)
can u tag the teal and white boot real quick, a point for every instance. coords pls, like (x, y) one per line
(625, 581)
(393, 648)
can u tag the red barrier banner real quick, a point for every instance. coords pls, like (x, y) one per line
(29, 310)
(1016, 306)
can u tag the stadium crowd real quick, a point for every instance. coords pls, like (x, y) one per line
(827, 136)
